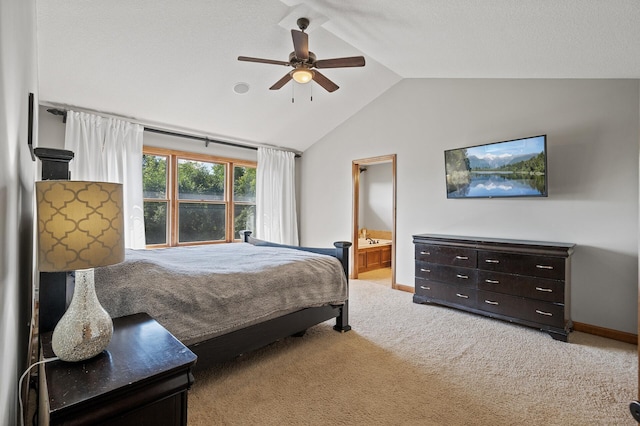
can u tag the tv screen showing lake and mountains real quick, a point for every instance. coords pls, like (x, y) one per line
(515, 168)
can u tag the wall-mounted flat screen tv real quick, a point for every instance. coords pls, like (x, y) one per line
(515, 168)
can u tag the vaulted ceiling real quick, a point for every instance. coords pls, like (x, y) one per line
(173, 63)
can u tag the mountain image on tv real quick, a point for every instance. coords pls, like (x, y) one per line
(495, 162)
(515, 168)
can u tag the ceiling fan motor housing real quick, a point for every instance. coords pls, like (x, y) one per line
(303, 23)
(294, 60)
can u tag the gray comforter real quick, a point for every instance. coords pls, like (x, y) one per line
(199, 292)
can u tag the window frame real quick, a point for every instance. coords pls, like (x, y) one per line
(173, 201)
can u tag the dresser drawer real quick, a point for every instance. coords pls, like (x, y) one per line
(531, 310)
(544, 313)
(464, 296)
(499, 303)
(447, 274)
(446, 255)
(522, 264)
(520, 285)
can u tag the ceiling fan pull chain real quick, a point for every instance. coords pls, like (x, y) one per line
(293, 94)
(311, 93)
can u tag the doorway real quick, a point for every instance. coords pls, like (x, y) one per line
(374, 238)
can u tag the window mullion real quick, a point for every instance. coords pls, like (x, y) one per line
(173, 200)
(228, 199)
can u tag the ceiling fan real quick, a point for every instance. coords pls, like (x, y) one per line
(304, 62)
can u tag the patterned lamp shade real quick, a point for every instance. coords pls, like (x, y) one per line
(80, 225)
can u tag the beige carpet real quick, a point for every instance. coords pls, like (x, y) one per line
(409, 364)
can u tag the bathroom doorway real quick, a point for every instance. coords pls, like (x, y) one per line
(374, 220)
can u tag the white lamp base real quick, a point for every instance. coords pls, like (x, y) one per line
(86, 328)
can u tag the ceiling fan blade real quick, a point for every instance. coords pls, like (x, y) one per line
(352, 61)
(263, 61)
(284, 80)
(323, 81)
(300, 44)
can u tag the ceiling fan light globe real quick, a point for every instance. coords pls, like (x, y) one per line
(302, 75)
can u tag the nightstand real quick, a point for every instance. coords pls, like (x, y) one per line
(142, 378)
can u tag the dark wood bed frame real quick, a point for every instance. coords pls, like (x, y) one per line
(236, 343)
(56, 288)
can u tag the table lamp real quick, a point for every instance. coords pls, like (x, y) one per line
(80, 227)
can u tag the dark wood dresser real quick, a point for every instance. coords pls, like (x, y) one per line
(525, 282)
(142, 378)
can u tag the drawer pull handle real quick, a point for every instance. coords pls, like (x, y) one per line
(491, 302)
(492, 281)
(424, 287)
(548, 290)
(462, 257)
(544, 267)
(549, 314)
(491, 261)
(464, 277)
(425, 270)
(464, 296)
(426, 253)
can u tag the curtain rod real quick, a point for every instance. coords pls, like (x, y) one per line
(63, 113)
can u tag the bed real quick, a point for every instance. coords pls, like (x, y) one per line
(228, 299)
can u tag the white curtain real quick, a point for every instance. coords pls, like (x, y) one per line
(110, 150)
(276, 218)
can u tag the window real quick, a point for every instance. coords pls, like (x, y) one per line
(196, 198)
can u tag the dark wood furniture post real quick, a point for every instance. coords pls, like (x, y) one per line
(53, 285)
(342, 253)
(142, 378)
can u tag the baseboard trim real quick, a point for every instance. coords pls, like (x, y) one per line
(621, 336)
(407, 288)
(609, 333)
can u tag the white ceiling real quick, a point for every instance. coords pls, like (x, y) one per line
(174, 64)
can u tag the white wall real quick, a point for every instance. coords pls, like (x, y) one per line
(50, 130)
(593, 140)
(376, 197)
(191, 145)
(17, 79)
